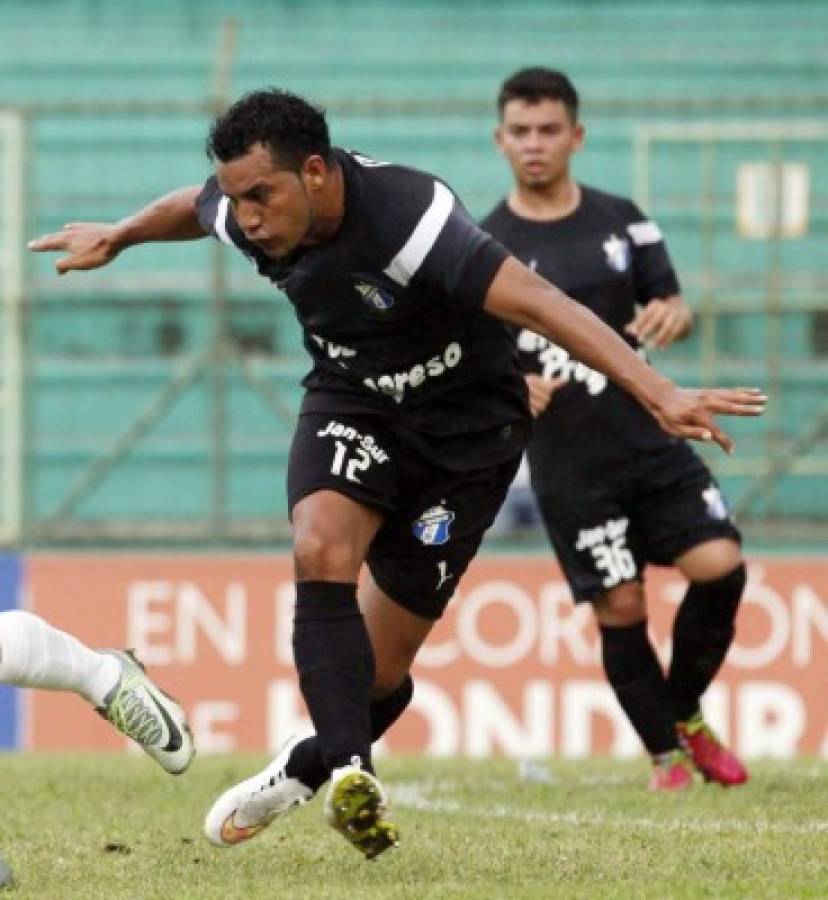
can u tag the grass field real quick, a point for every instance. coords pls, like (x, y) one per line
(115, 827)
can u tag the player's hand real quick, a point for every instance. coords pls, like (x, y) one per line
(660, 322)
(689, 413)
(89, 245)
(541, 391)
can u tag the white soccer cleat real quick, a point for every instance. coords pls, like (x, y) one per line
(356, 806)
(142, 711)
(244, 810)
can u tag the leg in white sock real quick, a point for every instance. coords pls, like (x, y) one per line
(36, 655)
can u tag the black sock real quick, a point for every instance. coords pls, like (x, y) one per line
(386, 711)
(636, 676)
(305, 761)
(702, 634)
(335, 663)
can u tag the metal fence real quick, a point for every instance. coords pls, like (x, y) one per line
(154, 400)
(747, 203)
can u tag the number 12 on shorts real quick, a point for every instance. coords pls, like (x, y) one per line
(358, 462)
(616, 561)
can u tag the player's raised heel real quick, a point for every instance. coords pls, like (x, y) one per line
(138, 708)
(356, 806)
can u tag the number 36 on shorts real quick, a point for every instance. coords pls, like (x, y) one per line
(616, 561)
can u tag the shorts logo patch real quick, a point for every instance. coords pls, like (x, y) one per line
(443, 574)
(618, 253)
(373, 296)
(432, 528)
(716, 506)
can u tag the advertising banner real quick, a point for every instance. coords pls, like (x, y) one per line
(513, 668)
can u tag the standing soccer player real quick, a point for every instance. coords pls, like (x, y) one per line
(413, 422)
(616, 492)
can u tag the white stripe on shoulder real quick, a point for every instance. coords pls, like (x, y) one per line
(403, 267)
(220, 223)
(644, 232)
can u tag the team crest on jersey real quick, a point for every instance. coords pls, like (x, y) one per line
(618, 253)
(716, 506)
(373, 296)
(432, 527)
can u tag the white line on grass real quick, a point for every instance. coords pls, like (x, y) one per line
(414, 796)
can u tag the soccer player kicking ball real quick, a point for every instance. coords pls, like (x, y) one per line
(615, 491)
(33, 654)
(414, 418)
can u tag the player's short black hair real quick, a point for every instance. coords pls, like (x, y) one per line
(537, 83)
(287, 124)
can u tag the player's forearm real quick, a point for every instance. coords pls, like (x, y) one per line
(588, 339)
(172, 217)
(521, 297)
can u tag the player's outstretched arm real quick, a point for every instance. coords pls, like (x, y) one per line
(520, 296)
(90, 245)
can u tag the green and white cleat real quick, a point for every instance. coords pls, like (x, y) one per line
(142, 711)
(356, 806)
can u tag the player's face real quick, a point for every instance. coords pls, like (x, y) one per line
(271, 204)
(538, 139)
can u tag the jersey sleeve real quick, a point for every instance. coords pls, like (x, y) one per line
(216, 217)
(435, 244)
(211, 208)
(655, 276)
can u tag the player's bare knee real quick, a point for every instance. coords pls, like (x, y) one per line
(710, 560)
(621, 606)
(319, 557)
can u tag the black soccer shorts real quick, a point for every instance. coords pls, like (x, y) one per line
(435, 520)
(605, 531)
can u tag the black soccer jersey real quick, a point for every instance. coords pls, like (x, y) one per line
(391, 310)
(610, 257)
